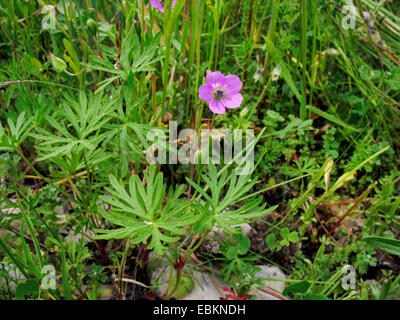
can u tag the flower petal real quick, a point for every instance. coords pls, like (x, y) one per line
(233, 84)
(216, 79)
(205, 92)
(217, 107)
(155, 4)
(233, 102)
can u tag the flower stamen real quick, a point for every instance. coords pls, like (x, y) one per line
(218, 94)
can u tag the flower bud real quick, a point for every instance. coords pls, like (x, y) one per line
(92, 26)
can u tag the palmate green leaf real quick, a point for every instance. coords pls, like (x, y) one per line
(102, 64)
(106, 82)
(141, 214)
(222, 210)
(237, 189)
(123, 201)
(128, 141)
(141, 131)
(179, 219)
(229, 218)
(143, 232)
(136, 56)
(72, 162)
(124, 145)
(215, 185)
(120, 219)
(80, 123)
(68, 148)
(18, 132)
(56, 125)
(144, 58)
(174, 195)
(88, 115)
(21, 128)
(200, 190)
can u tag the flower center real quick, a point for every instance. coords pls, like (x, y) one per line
(218, 94)
(161, 2)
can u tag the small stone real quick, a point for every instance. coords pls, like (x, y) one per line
(107, 292)
(278, 286)
(201, 288)
(204, 288)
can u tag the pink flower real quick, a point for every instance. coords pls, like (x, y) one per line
(221, 92)
(159, 4)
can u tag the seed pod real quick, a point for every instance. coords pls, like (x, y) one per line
(59, 65)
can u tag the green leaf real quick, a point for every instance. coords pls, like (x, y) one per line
(70, 56)
(284, 242)
(331, 118)
(289, 80)
(293, 237)
(312, 296)
(231, 252)
(65, 274)
(28, 257)
(391, 246)
(199, 190)
(300, 287)
(34, 240)
(185, 286)
(142, 214)
(271, 241)
(28, 287)
(242, 243)
(284, 232)
(14, 258)
(176, 12)
(100, 64)
(203, 224)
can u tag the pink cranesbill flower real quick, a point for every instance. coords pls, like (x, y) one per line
(159, 4)
(221, 92)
